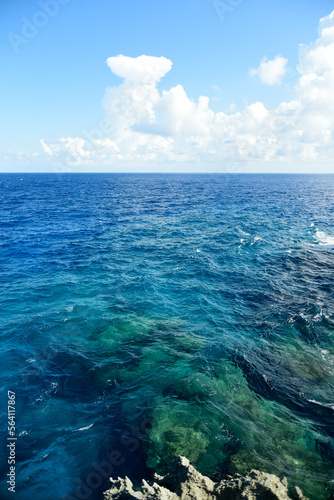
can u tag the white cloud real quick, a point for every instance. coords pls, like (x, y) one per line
(148, 126)
(272, 71)
(132, 103)
(143, 69)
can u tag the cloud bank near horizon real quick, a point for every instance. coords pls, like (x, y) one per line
(146, 126)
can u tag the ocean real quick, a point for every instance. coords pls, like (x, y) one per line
(148, 316)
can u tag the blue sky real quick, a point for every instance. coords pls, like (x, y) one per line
(53, 84)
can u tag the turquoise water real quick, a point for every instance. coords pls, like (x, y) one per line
(147, 316)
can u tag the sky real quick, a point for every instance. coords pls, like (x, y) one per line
(177, 86)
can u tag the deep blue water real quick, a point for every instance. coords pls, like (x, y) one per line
(144, 316)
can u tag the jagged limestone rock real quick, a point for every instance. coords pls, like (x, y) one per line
(184, 482)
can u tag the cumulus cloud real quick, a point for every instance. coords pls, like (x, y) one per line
(143, 69)
(146, 125)
(271, 72)
(131, 105)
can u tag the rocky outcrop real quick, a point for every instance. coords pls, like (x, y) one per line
(184, 482)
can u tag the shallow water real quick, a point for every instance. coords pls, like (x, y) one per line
(155, 315)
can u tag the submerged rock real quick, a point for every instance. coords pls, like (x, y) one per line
(184, 482)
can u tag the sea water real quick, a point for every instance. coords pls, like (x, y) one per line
(149, 316)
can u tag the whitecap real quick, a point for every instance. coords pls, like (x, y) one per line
(256, 239)
(85, 428)
(324, 238)
(243, 233)
(328, 405)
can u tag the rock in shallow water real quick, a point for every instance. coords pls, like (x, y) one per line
(184, 482)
